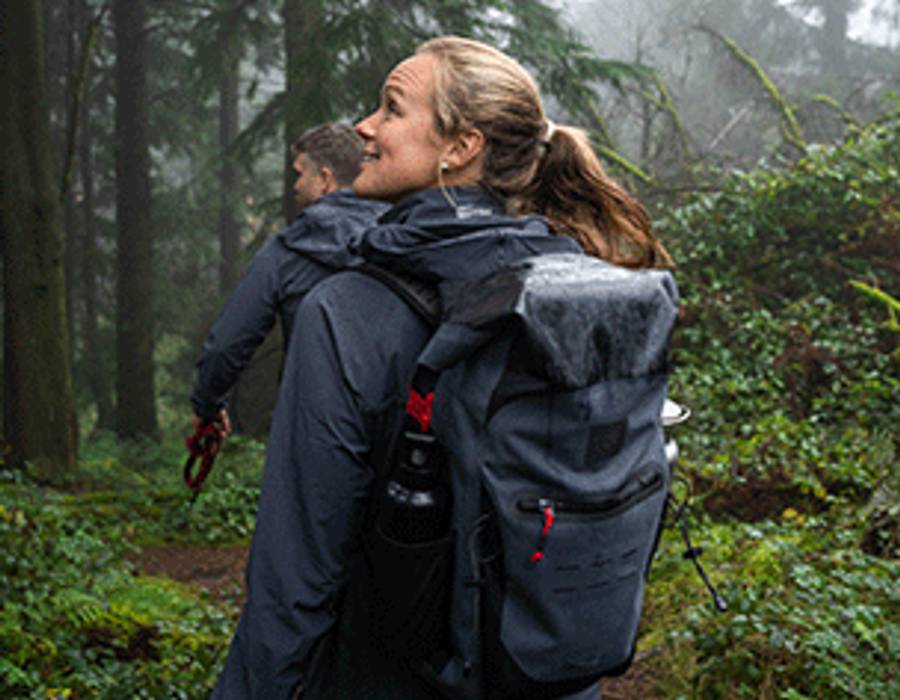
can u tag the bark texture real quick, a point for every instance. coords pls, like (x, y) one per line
(38, 402)
(135, 394)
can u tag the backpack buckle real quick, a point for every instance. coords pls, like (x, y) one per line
(418, 407)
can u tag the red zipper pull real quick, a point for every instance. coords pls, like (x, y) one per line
(547, 509)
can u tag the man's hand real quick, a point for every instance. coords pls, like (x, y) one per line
(222, 423)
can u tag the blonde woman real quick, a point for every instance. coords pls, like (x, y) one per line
(479, 178)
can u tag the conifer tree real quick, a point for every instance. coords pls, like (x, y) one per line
(38, 401)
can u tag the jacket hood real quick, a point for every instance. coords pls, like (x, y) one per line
(456, 234)
(328, 229)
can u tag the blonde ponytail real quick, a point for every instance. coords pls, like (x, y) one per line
(572, 190)
(535, 165)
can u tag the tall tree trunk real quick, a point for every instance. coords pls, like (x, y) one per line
(229, 227)
(70, 238)
(39, 405)
(833, 39)
(135, 395)
(96, 373)
(307, 81)
(69, 228)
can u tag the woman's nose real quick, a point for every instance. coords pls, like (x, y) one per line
(365, 128)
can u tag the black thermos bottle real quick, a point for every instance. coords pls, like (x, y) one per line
(415, 503)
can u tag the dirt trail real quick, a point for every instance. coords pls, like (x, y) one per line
(221, 571)
(218, 569)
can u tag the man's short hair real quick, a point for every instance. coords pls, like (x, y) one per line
(333, 146)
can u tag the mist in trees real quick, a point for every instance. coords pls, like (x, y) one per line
(738, 80)
(163, 166)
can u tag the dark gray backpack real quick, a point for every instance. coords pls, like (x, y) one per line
(544, 386)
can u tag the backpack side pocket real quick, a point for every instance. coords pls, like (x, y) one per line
(410, 594)
(576, 484)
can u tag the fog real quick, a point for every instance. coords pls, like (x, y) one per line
(737, 72)
(875, 22)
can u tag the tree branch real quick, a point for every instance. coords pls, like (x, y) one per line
(77, 96)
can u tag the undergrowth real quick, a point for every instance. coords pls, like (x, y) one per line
(76, 619)
(792, 376)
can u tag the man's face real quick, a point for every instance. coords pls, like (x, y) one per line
(310, 184)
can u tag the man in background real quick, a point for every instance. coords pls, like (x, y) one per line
(315, 244)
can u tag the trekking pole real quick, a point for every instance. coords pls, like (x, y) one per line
(693, 553)
(674, 414)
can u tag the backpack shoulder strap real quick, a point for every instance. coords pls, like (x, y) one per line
(420, 296)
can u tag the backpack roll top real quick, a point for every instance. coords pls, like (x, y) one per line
(585, 319)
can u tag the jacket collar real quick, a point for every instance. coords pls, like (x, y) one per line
(444, 205)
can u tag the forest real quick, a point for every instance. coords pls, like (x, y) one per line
(146, 159)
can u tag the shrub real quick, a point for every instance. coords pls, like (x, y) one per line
(792, 377)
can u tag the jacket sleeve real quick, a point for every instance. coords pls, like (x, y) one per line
(340, 381)
(243, 323)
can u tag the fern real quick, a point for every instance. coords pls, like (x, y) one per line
(79, 609)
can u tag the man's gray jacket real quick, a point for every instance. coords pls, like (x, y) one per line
(301, 255)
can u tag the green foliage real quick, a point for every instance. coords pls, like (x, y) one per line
(75, 619)
(811, 616)
(792, 376)
(892, 304)
(226, 511)
(770, 233)
(139, 484)
(76, 622)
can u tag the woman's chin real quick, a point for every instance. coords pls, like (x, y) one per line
(364, 187)
(367, 190)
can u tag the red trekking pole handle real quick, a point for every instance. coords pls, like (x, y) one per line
(203, 444)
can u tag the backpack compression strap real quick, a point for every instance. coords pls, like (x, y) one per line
(425, 301)
(420, 296)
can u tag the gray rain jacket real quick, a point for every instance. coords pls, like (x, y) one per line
(282, 272)
(340, 403)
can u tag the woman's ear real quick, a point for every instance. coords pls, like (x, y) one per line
(465, 149)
